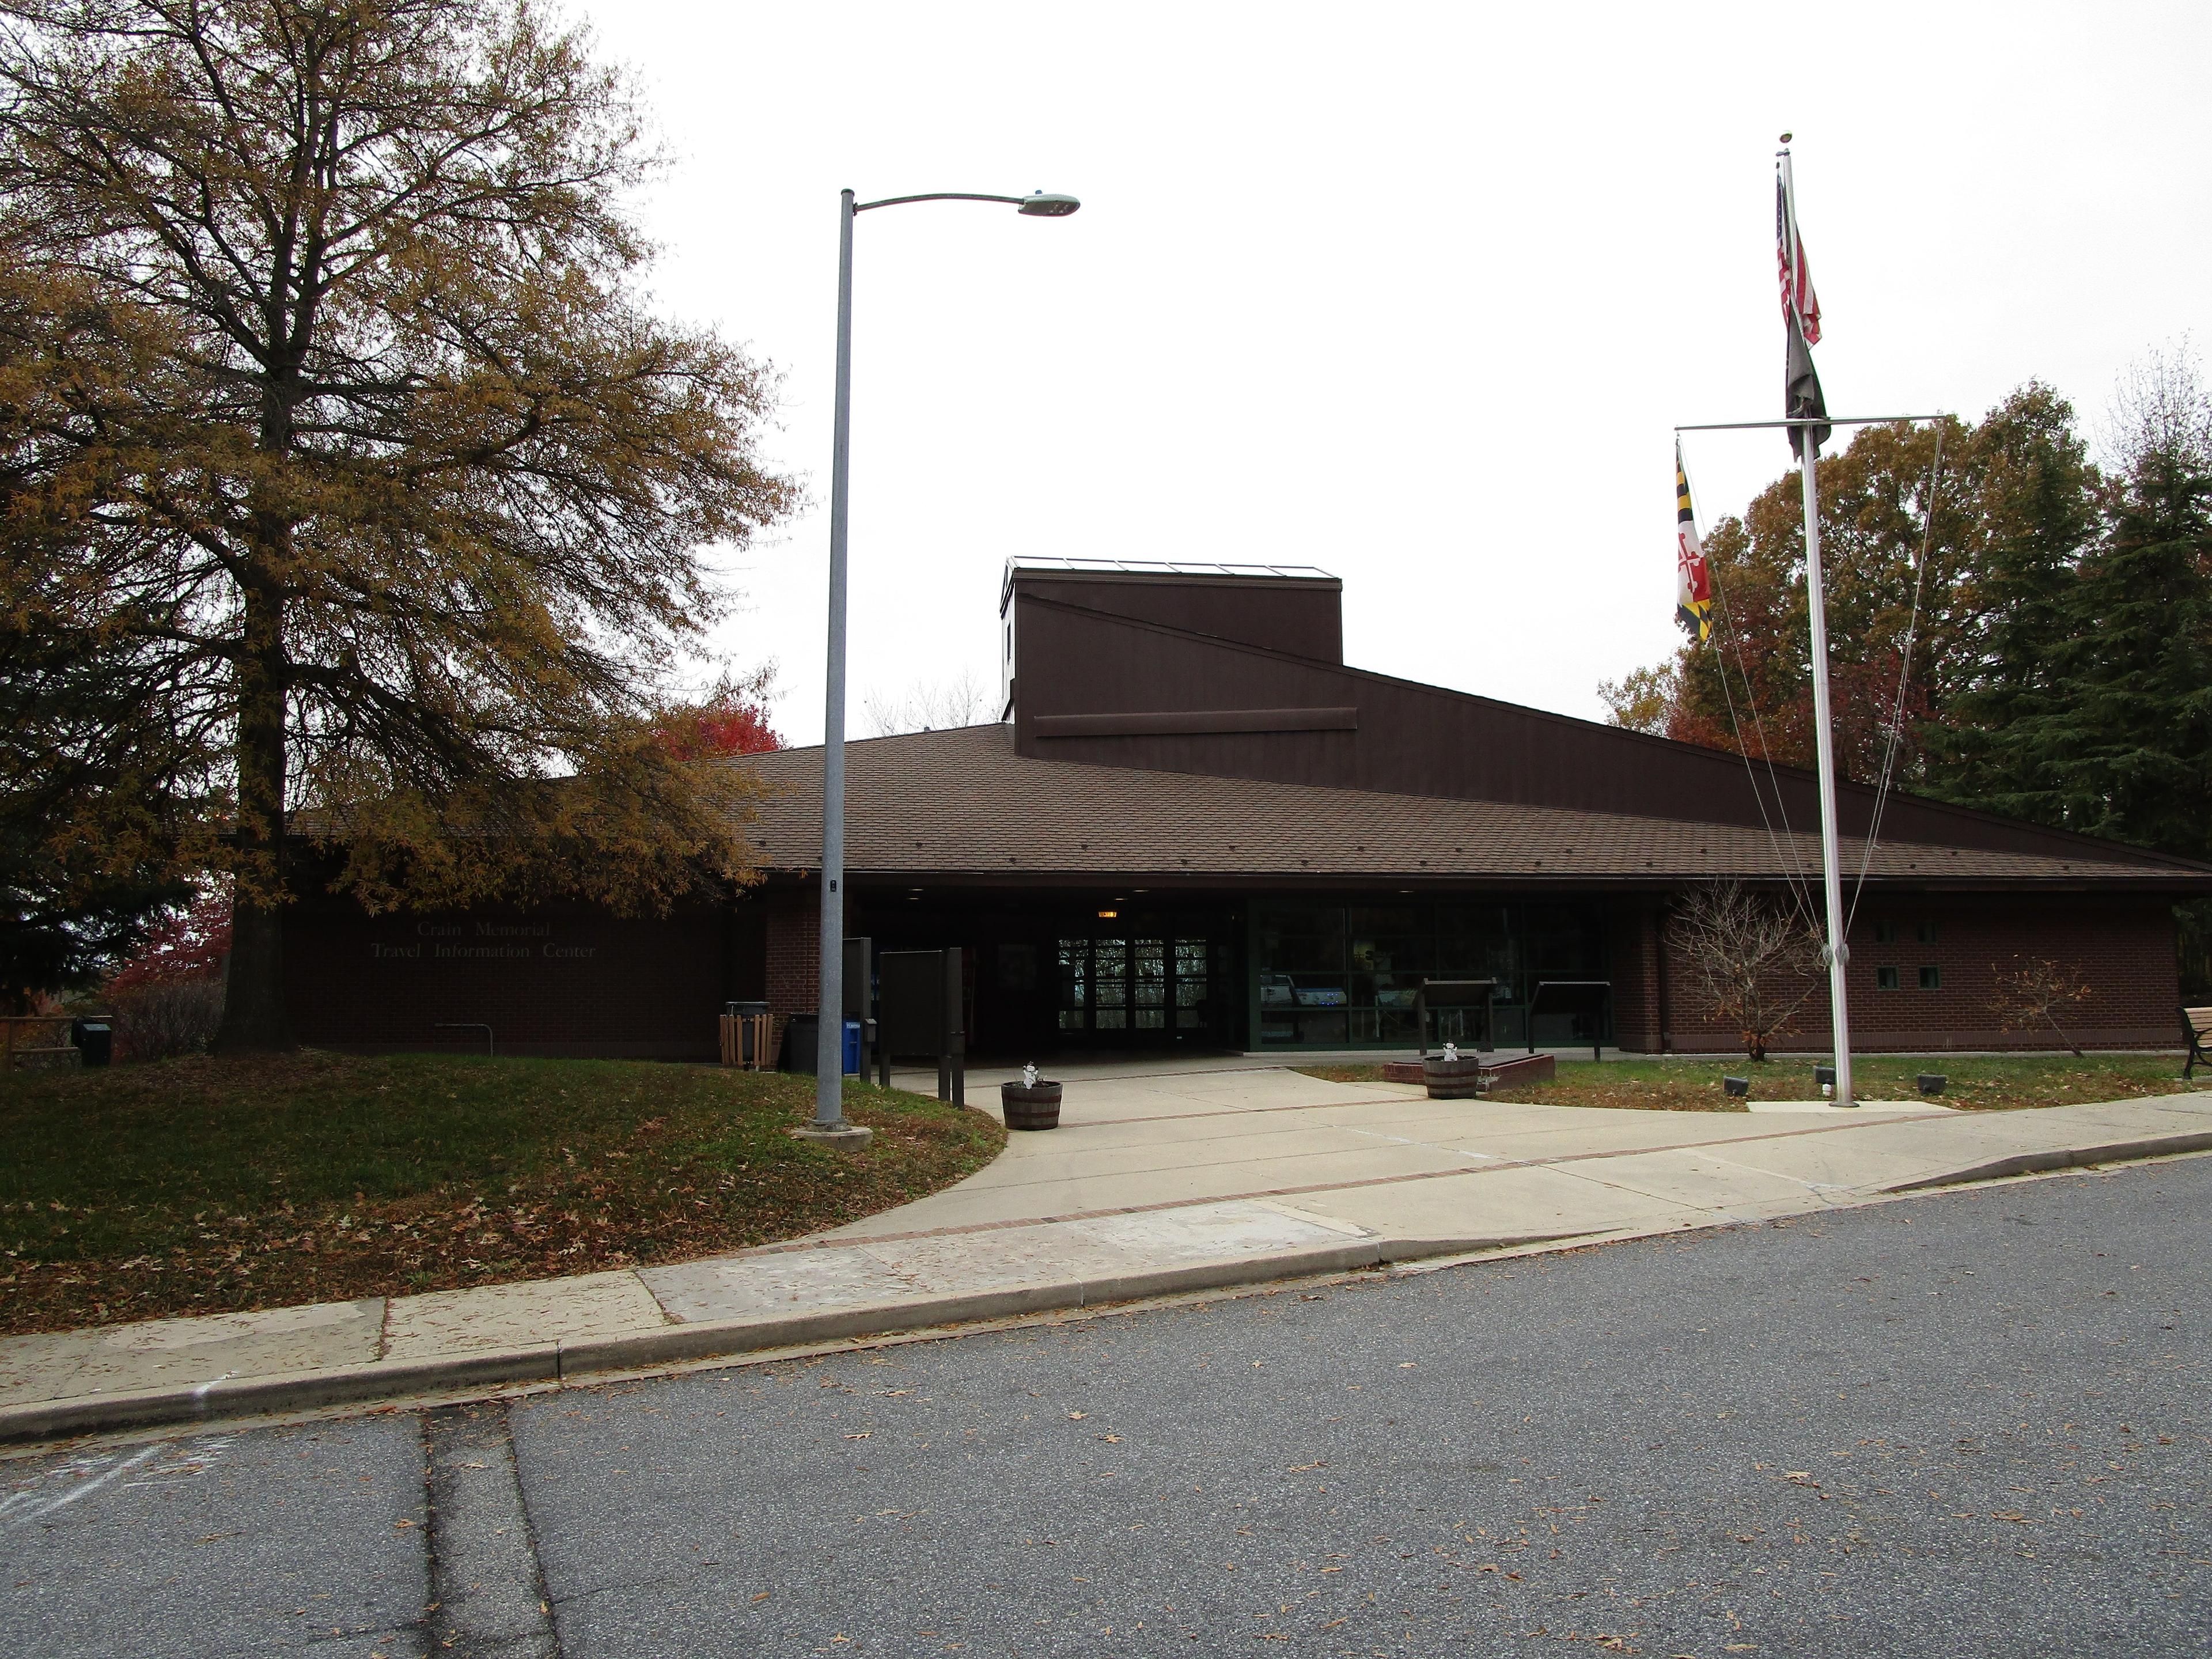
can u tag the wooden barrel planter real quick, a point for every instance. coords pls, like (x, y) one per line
(1452, 1079)
(1034, 1107)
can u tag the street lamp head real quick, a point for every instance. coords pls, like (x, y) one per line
(1039, 204)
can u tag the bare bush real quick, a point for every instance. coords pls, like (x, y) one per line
(1755, 963)
(2030, 996)
(160, 1017)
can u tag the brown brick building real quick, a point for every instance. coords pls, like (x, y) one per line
(1196, 826)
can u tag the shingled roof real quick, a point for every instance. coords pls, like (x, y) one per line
(962, 804)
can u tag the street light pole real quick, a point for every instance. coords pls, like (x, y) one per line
(829, 1004)
(830, 1017)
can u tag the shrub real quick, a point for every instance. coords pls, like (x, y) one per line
(160, 1018)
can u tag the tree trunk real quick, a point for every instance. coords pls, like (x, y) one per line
(254, 1002)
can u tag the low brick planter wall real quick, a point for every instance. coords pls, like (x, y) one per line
(1512, 1069)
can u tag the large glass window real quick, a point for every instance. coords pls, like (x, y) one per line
(1327, 975)
(1141, 989)
(1192, 984)
(1110, 985)
(1303, 992)
(1075, 985)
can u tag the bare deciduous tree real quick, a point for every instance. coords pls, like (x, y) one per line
(929, 706)
(2031, 994)
(2161, 407)
(1755, 962)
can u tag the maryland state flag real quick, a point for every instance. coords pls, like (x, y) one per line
(1694, 587)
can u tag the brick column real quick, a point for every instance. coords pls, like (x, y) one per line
(1632, 953)
(794, 957)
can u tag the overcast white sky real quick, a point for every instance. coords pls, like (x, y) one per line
(1413, 293)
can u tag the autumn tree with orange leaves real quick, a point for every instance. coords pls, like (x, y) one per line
(2015, 500)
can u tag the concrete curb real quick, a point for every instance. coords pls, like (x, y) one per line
(634, 1351)
(1417, 1249)
(2063, 1157)
(295, 1391)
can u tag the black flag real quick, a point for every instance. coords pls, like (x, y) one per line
(1801, 393)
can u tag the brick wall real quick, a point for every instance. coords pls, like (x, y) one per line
(1632, 963)
(561, 979)
(573, 981)
(794, 954)
(2124, 948)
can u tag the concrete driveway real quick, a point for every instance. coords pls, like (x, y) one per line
(1382, 1155)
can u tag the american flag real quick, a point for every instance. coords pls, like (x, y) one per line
(1797, 293)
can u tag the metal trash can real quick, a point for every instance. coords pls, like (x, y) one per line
(94, 1040)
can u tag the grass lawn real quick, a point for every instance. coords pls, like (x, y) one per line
(203, 1185)
(1978, 1083)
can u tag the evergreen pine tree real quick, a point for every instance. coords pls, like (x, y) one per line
(2036, 512)
(2129, 737)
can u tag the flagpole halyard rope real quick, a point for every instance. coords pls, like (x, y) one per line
(1904, 675)
(1804, 420)
(1887, 774)
(1784, 846)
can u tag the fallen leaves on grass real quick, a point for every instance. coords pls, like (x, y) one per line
(214, 1186)
(1975, 1083)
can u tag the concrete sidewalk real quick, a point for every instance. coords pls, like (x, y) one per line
(1159, 1181)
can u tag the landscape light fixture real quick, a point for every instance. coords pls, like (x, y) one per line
(829, 998)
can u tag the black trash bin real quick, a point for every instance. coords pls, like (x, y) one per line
(94, 1040)
(801, 1040)
(801, 1035)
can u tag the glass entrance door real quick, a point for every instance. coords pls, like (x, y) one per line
(1136, 991)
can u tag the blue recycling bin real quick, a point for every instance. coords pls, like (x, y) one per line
(799, 1041)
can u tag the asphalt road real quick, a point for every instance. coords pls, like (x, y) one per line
(1970, 1422)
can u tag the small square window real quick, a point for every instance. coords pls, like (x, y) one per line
(1925, 932)
(1931, 979)
(1885, 979)
(1885, 932)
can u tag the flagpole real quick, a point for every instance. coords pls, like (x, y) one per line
(1837, 951)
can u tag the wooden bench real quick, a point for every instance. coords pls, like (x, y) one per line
(2196, 1029)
